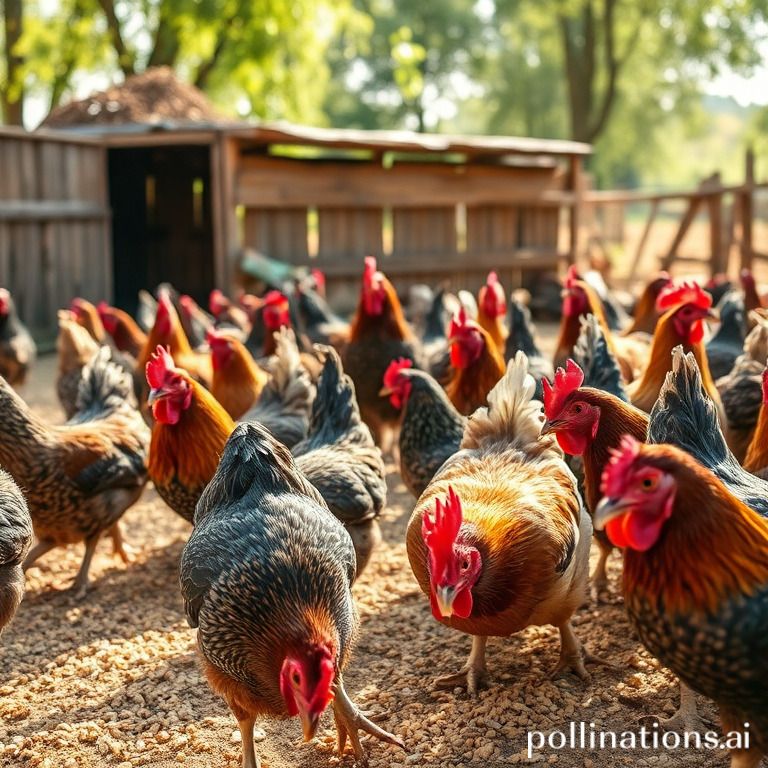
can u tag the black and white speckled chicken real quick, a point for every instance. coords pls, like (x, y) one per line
(17, 349)
(431, 428)
(80, 477)
(727, 344)
(266, 577)
(522, 338)
(594, 357)
(341, 460)
(15, 541)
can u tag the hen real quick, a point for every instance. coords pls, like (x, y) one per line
(499, 540)
(124, 330)
(646, 315)
(476, 362)
(15, 541)
(319, 323)
(727, 344)
(756, 460)
(431, 428)
(695, 580)
(80, 477)
(521, 338)
(266, 577)
(491, 311)
(195, 321)
(378, 335)
(228, 315)
(340, 459)
(74, 348)
(17, 349)
(271, 314)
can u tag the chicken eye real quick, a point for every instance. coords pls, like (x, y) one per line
(649, 483)
(464, 564)
(296, 678)
(577, 409)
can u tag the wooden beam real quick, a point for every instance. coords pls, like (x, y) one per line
(38, 210)
(746, 209)
(693, 206)
(575, 184)
(715, 206)
(655, 205)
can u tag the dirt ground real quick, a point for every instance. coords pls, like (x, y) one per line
(114, 681)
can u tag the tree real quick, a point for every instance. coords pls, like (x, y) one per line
(11, 83)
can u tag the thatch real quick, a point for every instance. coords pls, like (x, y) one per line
(154, 96)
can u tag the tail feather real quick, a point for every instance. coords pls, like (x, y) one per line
(335, 408)
(290, 384)
(594, 357)
(512, 415)
(104, 386)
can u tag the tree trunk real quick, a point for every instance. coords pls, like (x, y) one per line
(13, 94)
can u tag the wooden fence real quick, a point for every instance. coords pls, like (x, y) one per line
(54, 224)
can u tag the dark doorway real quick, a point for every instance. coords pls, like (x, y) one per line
(162, 228)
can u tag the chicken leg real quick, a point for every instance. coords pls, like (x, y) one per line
(80, 586)
(687, 718)
(250, 760)
(599, 578)
(474, 674)
(573, 655)
(120, 548)
(349, 720)
(46, 545)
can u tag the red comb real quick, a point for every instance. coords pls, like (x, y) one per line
(274, 298)
(188, 304)
(160, 363)
(213, 337)
(684, 293)
(566, 381)
(319, 278)
(393, 371)
(439, 529)
(572, 276)
(217, 302)
(615, 474)
(491, 296)
(459, 322)
(747, 278)
(370, 266)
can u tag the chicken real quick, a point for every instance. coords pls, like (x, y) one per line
(146, 311)
(695, 579)
(752, 299)
(75, 347)
(740, 391)
(17, 349)
(228, 315)
(88, 316)
(499, 540)
(431, 428)
(340, 459)
(685, 308)
(476, 362)
(420, 301)
(491, 311)
(589, 423)
(646, 315)
(195, 321)
(285, 404)
(272, 314)
(80, 477)
(266, 577)
(579, 299)
(378, 335)
(168, 332)
(435, 355)
(188, 435)
(319, 323)
(521, 338)
(727, 344)
(15, 541)
(593, 355)
(717, 286)
(756, 460)
(124, 330)
(238, 380)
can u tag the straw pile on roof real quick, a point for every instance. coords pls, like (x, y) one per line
(154, 96)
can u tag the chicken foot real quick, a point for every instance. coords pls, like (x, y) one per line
(120, 548)
(599, 578)
(474, 674)
(349, 720)
(80, 585)
(250, 760)
(573, 655)
(686, 719)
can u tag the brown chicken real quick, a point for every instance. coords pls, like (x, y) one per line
(17, 349)
(238, 380)
(646, 315)
(266, 578)
(226, 313)
(124, 330)
(476, 362)
(685, 309)
(499, 540)
(188, 435)
(88, 316)
(492, 310)
(756, 460)
(15, 541)
(80, 477)
(752, 299)
(75, 347)
(378, 335)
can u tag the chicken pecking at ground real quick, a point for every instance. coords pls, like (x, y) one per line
(499, 540)
(695, 579)
(17, 349)
(266, 577)
(492, 310)
(430, 429)
(80, 477)
(15, 541)
(476, 362)
(378, 335)
(340, 459)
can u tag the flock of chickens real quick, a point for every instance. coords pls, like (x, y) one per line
(262, 423)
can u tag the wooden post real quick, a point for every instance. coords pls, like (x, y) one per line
(576, 188)
(227, 242)
(746, 206)
(643, 241)
(715, 205)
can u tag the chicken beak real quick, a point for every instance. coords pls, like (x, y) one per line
(445, 597)
(385, 392)
(549, 427)
(712, 315)
(309, 723)
(154, 396)
(609, 509)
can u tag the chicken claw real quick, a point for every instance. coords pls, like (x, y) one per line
(686, 719)
(122, 550)
(573, 656)
(474, 674)
(349, 720)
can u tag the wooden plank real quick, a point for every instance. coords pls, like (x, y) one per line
(576, 187)
(426, 231)
(685, 224)
(492, 227)
(278, 234)
(640, 250)
(36, 210)
(348, 233)
(746, 209)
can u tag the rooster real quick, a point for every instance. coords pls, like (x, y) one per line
(431, 428)
(238, 380)
(340, 459)
(188, 435)
(266, 577)
(75, 347)
(646, 315)
(124, 330)
(80, 477)
(752, 300)
(695, 579)
(685, 309)
(378, 334)
(17, 349)
(476, 362)
(492, 309)
(756, 460)
(499, 540)
(521, 338)
(15, 541)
